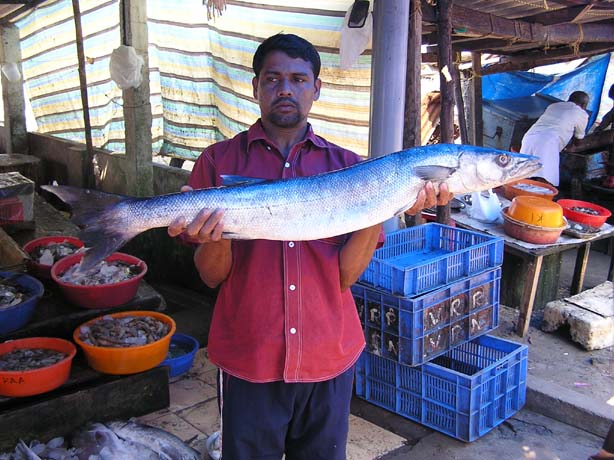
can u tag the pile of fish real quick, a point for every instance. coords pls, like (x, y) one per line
(49, 254)
(103, 273)
(533, 188)
(126, 331)
(585, 210)
(26, 359)
(11, 295)
(111, 441)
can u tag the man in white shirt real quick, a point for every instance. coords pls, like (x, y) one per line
(559, 124)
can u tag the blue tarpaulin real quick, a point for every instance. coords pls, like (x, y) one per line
(589, 77)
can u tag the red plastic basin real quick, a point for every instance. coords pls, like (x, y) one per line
(584, 218)
(104, 295)
(41, 270)
(36, 381)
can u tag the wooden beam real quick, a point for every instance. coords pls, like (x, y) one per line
(536, 59)
(475, 23)
(413, 97)
(412, 131)
(137, 105)
(88, 173)
(476, 106)
(18, 12)
(446, 85)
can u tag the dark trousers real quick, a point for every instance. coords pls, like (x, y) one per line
(608, 443)
(302, 420)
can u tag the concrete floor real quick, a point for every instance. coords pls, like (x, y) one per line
(555, 363)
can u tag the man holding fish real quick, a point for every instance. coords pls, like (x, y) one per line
(285, 333)
(285, 248)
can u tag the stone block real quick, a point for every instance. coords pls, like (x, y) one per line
(589, 315)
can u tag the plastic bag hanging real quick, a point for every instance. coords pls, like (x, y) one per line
(125, 67)
(354, 40)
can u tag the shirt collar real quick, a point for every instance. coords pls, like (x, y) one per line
(256, 132)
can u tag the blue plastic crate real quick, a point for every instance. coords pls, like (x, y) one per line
(414, 330)
(464, 393)
(418, 259)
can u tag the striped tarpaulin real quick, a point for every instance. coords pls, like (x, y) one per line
(200, 71)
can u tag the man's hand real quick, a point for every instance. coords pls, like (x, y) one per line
(205, 228)
(430, 196)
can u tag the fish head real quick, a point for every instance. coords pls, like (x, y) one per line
(481, 168)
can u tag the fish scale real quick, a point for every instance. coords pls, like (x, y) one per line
(302, 208)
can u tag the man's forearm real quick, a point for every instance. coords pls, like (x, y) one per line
(356, 254)
(213, 262)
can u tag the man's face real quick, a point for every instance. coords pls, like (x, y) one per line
(285, 90)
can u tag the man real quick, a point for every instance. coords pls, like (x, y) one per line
(285, 333)
(551, 133)
(608, 118)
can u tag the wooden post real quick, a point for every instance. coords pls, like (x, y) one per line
(446, 84)
(476, 103)
(137, 105)
(88, 171)
(413, 95)
(460, 104)
(12, 94)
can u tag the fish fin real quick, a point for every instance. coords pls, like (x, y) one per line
(234, 236)
(84, 203)
(434, 172)
(102, 231)
(230, 179)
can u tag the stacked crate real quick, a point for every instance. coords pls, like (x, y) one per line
(426, 301)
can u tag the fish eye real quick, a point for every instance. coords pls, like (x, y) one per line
(503, 160)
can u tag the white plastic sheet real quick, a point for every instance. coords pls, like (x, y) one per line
(354, 40)
(125, 67)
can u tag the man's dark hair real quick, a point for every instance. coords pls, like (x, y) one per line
(611, 92)
(293, 45)
(579, 97)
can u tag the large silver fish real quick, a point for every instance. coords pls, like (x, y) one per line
(302, 208)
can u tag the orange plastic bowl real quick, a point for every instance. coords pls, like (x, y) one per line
(536, 211)
(593, 220)
(36, 381)
(103, 295)
(127, 360)
(528, 187)
(41, 270)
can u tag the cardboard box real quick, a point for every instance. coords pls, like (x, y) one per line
(16, 199)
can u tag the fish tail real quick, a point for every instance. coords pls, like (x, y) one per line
(103, 228)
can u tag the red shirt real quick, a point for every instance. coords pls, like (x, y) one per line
(280, 314)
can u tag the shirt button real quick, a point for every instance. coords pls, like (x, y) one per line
(292, 287)
(291, 244)
(287, 165)
(292, 331)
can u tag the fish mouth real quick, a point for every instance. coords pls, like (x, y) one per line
(527, 166)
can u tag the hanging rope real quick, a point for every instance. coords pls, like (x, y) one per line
(576, 45)
(215, 8)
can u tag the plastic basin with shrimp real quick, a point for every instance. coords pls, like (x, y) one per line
(127, 360)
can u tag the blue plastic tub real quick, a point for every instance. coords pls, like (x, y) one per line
(422, 258)
(181, 354)
(17, 316)
(464, 393)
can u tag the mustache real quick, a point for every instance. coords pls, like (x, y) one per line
(286, 100)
